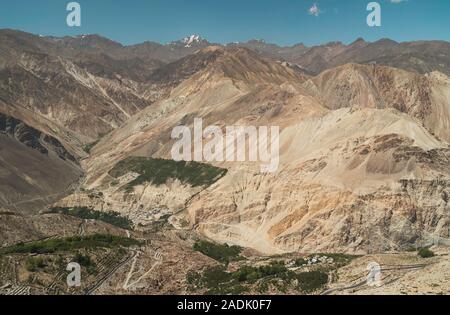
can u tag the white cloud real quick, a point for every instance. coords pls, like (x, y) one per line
(314, 10)
(398, 1)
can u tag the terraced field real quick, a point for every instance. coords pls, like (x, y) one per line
(40, 267)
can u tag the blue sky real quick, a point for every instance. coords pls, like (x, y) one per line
(284, 22)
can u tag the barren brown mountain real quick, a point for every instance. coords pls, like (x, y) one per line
(358, 143)
(85, 130)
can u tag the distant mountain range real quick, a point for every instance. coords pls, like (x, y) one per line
(91, 51)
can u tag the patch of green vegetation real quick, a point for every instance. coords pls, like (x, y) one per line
(426, 253)
(193, 277)
(273, 275)
(113, 218)
(312, 281)
(86, 261)
(216, 280)
(222, 253)
(83, 260)
(300, 262)
(158, 171)
(248, 273)
(214, 276)
(69, 244)
(33, 264)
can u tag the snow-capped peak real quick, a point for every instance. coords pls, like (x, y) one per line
(188, 41)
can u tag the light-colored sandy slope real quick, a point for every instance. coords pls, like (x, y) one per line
(238, 89)
(339, 188)
(322, 133)
(439, 119)
(425, 97)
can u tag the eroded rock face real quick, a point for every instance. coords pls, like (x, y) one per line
(33, 138)
(424, 97)
(297, 216)
(377, 192)
(145, 204)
